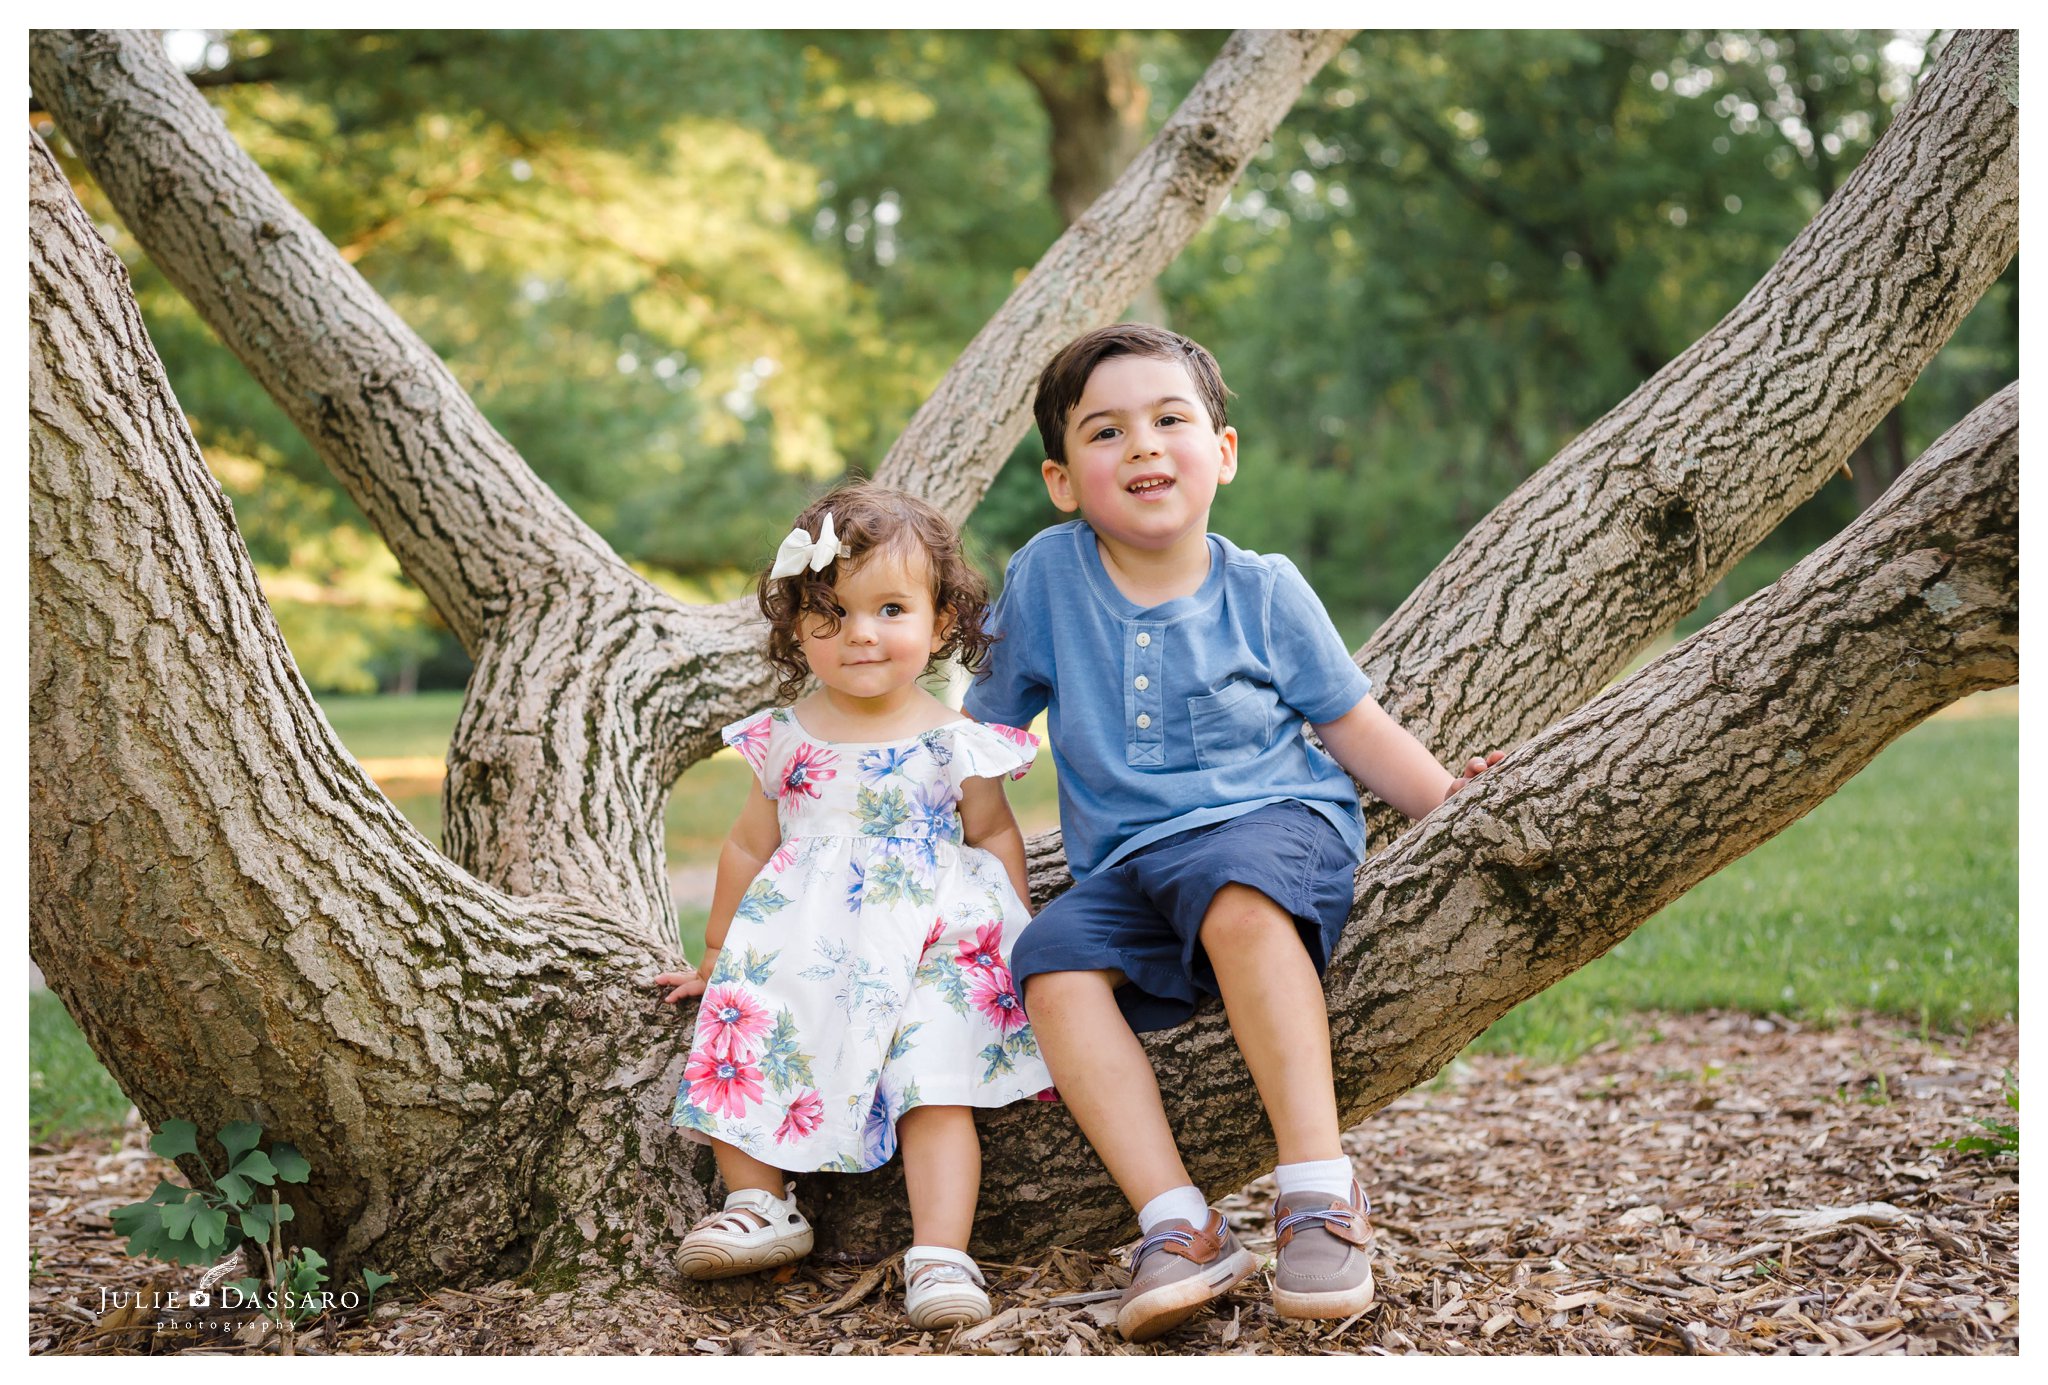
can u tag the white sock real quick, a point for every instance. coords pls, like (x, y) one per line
(1184, 1203)
(1332, 1176)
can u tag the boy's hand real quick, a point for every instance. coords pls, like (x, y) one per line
(690, 980)
(1474, 767)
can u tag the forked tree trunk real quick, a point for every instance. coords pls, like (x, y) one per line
(471, 1066)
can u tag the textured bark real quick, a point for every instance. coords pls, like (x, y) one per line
(241, 923)
(1629, 528)
(437, 1045)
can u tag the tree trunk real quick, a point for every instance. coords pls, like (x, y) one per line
(434, 1044)
(243, 926)
(1095, 104)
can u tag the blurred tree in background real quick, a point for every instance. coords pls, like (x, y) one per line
(695, 276)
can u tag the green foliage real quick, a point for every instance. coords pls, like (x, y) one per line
(2005, 1135)
(200, 1226)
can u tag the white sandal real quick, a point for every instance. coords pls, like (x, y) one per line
(756, 1231)
(942, 1288)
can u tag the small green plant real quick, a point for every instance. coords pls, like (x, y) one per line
(2004, 1137)
(201, 1226)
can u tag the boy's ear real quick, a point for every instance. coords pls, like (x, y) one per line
(1060, 486)
(1227, 472)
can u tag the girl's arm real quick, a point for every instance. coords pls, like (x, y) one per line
(1378, 753)
(753, 839)
(987, 822)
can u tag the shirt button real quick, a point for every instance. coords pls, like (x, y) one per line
(1143, 721)
(1143, 639)
(1142, 683)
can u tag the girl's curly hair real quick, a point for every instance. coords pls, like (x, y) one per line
(871, 519)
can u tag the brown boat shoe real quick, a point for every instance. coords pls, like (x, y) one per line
(1176, 1270)
(1323, 1265)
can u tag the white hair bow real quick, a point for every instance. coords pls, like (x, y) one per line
(800, 551)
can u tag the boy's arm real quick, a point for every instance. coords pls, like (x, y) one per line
(1393, 765)
(987, 822)
(754, 838)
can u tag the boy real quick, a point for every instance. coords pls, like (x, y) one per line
(1212, 846)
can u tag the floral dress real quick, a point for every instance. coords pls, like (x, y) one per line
(867, 969)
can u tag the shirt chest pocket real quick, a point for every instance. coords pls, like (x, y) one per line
(1232, 724)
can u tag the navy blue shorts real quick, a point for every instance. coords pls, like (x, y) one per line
(1143, 915)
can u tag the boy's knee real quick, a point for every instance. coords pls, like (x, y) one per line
(1050, 994)
(1241, 917)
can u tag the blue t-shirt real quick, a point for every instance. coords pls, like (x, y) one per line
(1173, 716)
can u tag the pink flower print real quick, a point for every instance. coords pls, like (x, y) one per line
(807, 769)
(1016, 737)
(938, 927)
(730, 1021)
(1013, 734)
(751, 740)
(1049, 1094)
(984, 951)
(784, 857)
(724, 1086)
(995, 995)
(804, 1116)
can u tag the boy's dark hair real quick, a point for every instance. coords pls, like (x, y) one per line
(1065, 377)
(868, 519)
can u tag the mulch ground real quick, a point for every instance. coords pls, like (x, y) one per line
(1722, 1185)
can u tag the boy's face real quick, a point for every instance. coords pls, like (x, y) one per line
(1143, 457)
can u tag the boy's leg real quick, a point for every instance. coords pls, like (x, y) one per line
(1274, 1001)
(1106, 1079)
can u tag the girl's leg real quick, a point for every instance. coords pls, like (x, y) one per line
(743, 1170)
(942, 1170)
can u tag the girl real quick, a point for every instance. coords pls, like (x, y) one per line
(856, 979)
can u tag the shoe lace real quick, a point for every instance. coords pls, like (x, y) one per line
(1158, 1239)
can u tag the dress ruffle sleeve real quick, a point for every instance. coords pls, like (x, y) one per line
(754, 738)
(989, 750)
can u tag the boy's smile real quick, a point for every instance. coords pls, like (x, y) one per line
(1143, 461)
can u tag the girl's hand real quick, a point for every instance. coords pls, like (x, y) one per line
(687, 982)
(1474, 767)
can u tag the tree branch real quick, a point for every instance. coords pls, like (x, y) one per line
(1632, 525)
(960, 438)
(465, 516)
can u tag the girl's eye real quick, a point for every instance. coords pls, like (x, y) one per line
(891, 608)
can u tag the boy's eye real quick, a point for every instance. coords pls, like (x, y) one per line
(1102, 433)
(1167, 419)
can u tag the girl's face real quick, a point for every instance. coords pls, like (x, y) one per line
(889, 627)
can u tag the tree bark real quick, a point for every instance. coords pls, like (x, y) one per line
(241, 923)
(433, 1043)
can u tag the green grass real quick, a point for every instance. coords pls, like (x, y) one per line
(69, 1093)
(382, 727)
(1900, 895)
